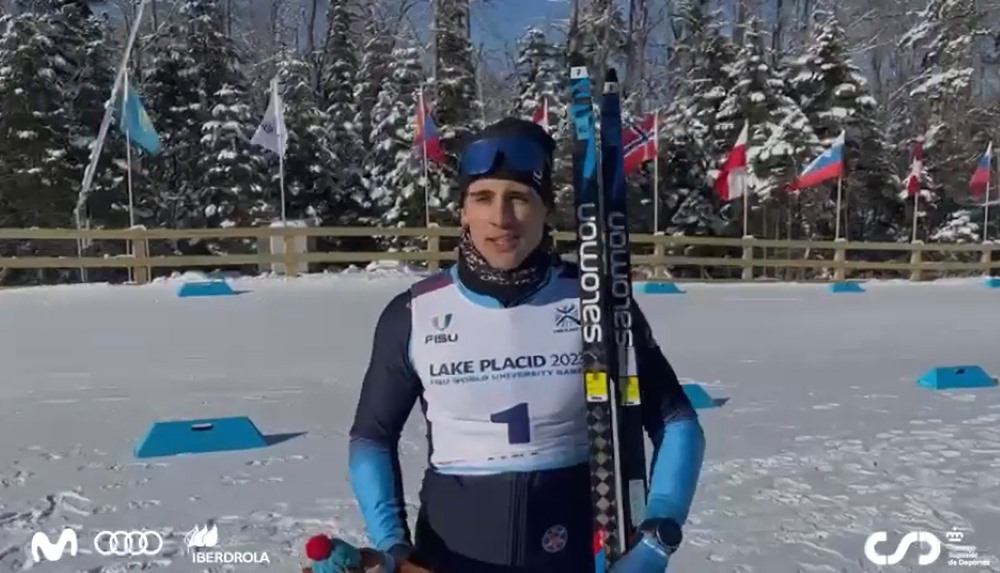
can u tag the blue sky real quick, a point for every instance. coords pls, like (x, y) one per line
(497, 24)
(503, 21)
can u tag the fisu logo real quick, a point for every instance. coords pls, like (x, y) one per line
(441, 324)
(928, 539)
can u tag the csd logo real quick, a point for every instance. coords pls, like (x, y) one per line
(929, 540)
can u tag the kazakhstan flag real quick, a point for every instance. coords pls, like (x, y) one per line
(135, 124)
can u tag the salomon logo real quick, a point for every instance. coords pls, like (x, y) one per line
(621, 282)
(590, 273)
(40, 545)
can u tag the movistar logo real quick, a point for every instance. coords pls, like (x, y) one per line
(40, 545)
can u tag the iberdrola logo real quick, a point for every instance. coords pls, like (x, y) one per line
(202, 537)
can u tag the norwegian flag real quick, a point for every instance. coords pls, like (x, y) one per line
(732, 180)
(541, 116)
(640, 142)
(916, 167)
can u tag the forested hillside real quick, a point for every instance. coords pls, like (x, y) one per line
(887, 73)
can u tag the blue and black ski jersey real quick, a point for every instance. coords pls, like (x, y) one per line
(507, 487)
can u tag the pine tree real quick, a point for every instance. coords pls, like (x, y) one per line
(705, 64)
(340, 71)
(456, 106)
(231, 191)
(540, 77)
(780, 137)
(687, 203)
(599, 33)
(92, 83)
(311, 182)
(396, 177)
(941, 100)
(176, 105)
(373, 71)
(37, 168)
(835, 97)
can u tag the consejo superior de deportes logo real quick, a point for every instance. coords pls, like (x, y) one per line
(930, 546)
(106, 543)
(202, 540)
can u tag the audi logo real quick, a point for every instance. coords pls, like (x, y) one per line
(127, 543)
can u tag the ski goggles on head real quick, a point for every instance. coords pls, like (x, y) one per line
(519, 153)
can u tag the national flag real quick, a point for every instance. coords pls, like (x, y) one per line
(829, 165)
(271, 133)
(732, 180)
(639, 140)
(980, 179)
(541, 116)
(916, 168)
(135, 124)
(426, 141)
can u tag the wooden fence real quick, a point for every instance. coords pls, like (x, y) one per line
(292, 250)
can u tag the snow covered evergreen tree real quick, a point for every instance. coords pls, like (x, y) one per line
(687, 202)
(599, 32)
(37, 169)
(457, 108)
(174, 100)
(780, 137)
(373, 71)
(705, 63)
(941, 102)
(835, 97)
(95, 62)
(311, 181)
(540, 77)
(396, 180)
(232, 191)
(340, 71)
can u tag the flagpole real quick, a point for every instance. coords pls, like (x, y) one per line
(986, 211)
(916, 209)
(423, 145)
(128, 154)
(840, 180)
(656, 171)
(279, 111)
(986, 204)
(746, 213)
(95, 154)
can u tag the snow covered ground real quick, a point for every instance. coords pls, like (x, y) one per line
(825, 437)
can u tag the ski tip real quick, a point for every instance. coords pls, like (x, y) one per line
(576, 60)
(611, 76)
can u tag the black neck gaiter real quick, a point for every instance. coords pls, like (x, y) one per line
(507, 286)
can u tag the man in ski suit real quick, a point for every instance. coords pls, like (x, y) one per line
(498, 376)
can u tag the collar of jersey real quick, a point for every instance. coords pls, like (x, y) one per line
(490, 302)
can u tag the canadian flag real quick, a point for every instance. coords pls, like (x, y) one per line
(732, 180)
(916, 167)
(541, 116)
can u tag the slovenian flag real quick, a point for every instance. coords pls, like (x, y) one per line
(981, 176)
(829, 165)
